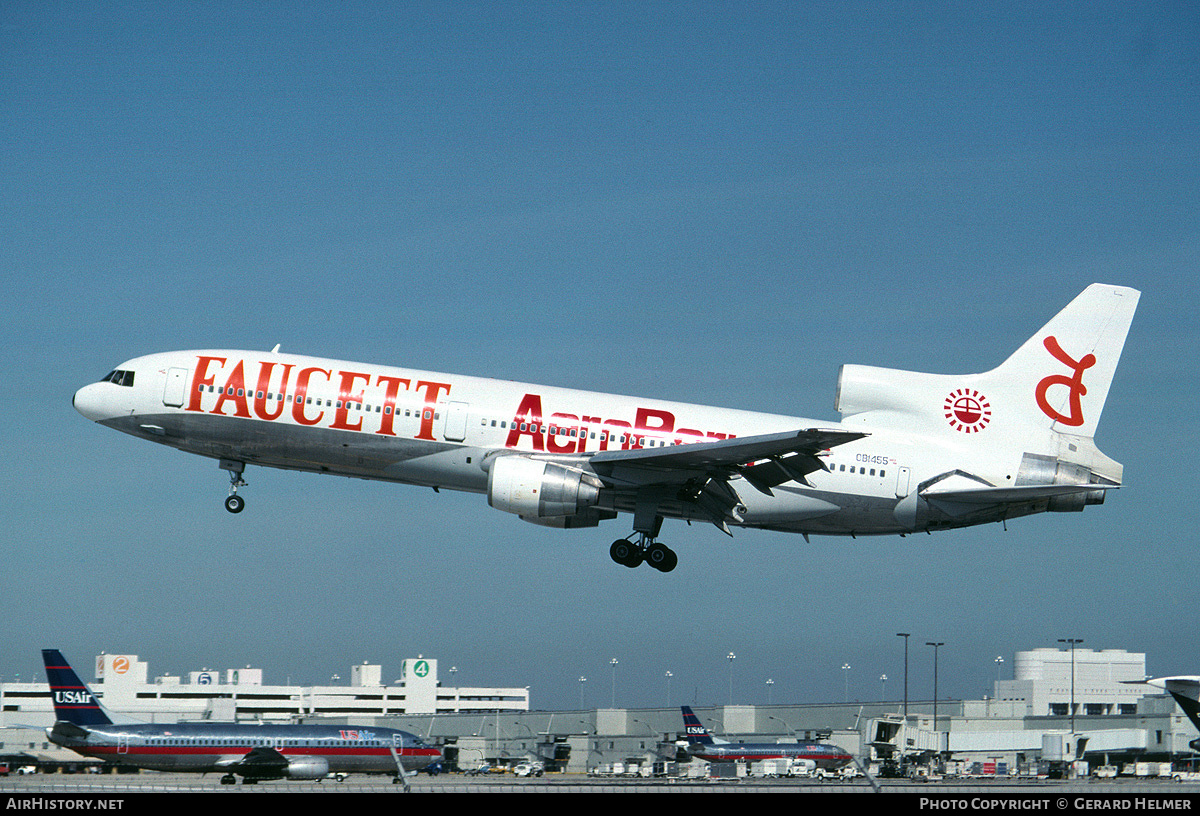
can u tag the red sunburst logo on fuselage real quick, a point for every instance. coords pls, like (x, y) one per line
(967, 410)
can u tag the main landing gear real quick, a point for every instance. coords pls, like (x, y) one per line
(645, 551)
(233, 502)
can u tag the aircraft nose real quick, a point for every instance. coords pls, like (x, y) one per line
(89, 401)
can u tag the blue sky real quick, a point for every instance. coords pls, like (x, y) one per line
(717, 203)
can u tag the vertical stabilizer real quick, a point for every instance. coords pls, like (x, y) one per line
(1063, 373)
(73, 700)
(696, 733)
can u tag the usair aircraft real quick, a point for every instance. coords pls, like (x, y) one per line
(913, 452)
(253, 751)
(702, 744)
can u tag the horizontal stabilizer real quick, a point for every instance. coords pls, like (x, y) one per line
(68, 730)
(1011, 495)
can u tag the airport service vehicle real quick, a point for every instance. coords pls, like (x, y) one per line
(253, 751)
(701, 744)
(782, 766)
(913, 452)
(528, 769)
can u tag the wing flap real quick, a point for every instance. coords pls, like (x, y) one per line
(699, 473)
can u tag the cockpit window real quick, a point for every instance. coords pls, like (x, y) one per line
(119, 377)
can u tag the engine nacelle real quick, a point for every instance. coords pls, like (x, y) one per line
(536, 490)
(307, 768)
(869, 388)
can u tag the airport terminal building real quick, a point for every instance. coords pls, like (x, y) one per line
(1060, 706)
(227, 695)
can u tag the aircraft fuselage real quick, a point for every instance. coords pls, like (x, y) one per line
(440, 430)
(214, 747)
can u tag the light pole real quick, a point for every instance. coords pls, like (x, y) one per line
(1071, 642)
(882, 687)
(668, 675)
(905, 635)
(786, 725)
(770, 683)
(846, 682)
(613, 663)
(935, 646)
(731, 657)
(999, 663)
(582, 680)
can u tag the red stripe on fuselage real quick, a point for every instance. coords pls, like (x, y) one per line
(206, 750)
(201, 750)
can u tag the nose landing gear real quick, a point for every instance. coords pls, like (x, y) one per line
(233, 502)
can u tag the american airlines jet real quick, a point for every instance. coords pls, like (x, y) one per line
(913, 452)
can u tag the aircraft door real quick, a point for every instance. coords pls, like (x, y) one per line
(911, 509)
(123, 744)
(173, 391)
(455, 429)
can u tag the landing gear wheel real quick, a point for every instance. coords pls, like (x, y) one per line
(661, 557)
(625, 553)
(234, 504)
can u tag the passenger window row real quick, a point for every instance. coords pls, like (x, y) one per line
(322, 402)
(860, 470)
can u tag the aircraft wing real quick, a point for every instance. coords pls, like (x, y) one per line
(765, 460)
(1184, 684)
(699, 474)
(260, 759)
(1186, 691)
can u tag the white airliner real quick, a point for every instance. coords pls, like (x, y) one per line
(912, 452)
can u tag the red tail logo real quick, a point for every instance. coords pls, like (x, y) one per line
(1074, 383)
